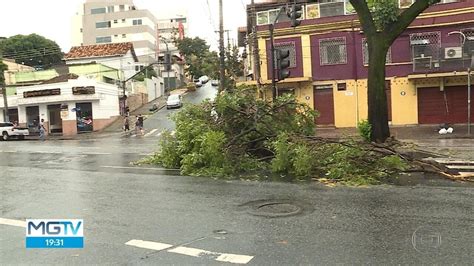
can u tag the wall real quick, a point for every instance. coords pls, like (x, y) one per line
(295, 71)
(135, 101)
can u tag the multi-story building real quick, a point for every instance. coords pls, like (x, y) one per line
(426, 70)
(118, 21)
(171, 29)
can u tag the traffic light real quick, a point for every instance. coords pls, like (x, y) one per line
(283, 63)
(296, 11)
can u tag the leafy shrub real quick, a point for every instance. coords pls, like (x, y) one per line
(365, 129)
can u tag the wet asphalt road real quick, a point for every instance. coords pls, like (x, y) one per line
(93, 180)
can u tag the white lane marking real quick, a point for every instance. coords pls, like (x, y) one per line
(194, 252)
(159, 134)
(234, 258)
(11, 222)
(147, 244)
(145, 168)
(463, 167)
(151, 132)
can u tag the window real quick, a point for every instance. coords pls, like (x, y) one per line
(110, 9)
(104, 39)
(99, 10)
(266, 17)
(341, 86)
(81, 29)
(333, 51)
(116, 36)
(123, 20)
(124, 35)
(469, 42)
(425, 45)
(115, 21)
(137, 22)
(103, 24)
(365, 53)
(292, 48)
(122, 7)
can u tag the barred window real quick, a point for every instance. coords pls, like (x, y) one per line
(469, 41)
(365, 53)
(426, 45)
(333, 51)
(292, 48)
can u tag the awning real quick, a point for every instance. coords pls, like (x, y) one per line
(439, 75)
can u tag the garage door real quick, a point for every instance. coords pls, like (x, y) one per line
(324, 104)
(448, 106)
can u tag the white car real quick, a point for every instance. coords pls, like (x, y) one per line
(174, 101)
(9, 131)
(199, 84)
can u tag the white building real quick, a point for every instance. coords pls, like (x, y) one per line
(119, 56)
(117, 21)
(68, 104)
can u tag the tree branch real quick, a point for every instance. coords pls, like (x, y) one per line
(365, 17)
(406, 18)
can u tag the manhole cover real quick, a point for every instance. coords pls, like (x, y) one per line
(274, 208)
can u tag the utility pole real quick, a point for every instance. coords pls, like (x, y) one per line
(221, 48)
(254, 44)
(3, 89)
(5, 102)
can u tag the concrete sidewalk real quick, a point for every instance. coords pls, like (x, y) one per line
(426, 138)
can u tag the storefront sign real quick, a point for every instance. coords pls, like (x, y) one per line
(28, 94)
(83, 90)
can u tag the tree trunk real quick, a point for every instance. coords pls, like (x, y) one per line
(377, 99)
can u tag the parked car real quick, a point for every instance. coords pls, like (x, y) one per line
(204, 79)
(199, 84)
(195, 80)
(215, 83)
(174, 101)
(8, 131)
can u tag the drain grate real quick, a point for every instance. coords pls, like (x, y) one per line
(274, 208)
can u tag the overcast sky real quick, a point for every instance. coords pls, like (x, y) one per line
(52, 18)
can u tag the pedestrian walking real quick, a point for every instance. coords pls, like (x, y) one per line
(126, 124)
(42, 130)
(140, 123)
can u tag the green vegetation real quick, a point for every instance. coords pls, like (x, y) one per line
(364, 129)
(31, 50)
(240, 136)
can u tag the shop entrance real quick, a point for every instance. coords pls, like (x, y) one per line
(32, 118)
(55, 121)
(84, 117)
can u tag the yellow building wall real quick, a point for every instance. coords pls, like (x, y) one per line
(404, 102)
(304, 94)
(306, 50)
(263, 58)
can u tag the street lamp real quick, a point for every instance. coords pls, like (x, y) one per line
(167, 83)
(468, 80)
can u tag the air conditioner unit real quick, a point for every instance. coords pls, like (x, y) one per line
(452, 52)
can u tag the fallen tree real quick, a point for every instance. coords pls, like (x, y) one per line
(241, 136)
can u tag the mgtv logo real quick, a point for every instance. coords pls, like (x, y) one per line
(57, 233)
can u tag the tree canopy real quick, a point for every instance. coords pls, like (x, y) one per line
(382, 22)
(32, 50)
(201, 61)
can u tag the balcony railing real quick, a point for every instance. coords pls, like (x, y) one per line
(442, 58)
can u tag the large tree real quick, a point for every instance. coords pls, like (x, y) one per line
(382, 22)
(31, 50)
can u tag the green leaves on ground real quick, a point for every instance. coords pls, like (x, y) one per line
(239, 135)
